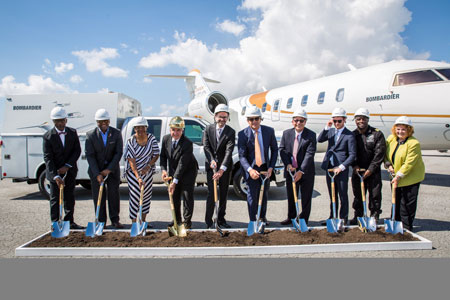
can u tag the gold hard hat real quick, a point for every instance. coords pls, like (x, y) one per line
(176, 122)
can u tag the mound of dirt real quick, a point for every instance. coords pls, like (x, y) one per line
(213, 239)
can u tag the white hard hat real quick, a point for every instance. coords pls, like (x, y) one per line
(339, 112)
(300, 112)
(139, 121)
(101, 114)
(221, 108)
(403, 120)
(362, 112)
(58, 113)
(253, 111)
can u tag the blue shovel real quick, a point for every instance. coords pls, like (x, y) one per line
(258, 225)
(96, 227)
(392, 226)
(334, 225)
(61, 228)
(366, 224)
(299, 224)
(139, 227)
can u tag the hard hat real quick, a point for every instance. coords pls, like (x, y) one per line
(300, 112)
(101, 114)
(404, 120)
(339, 112)
(139, 121)
(362, 112)
(176, 122)
(253, 111)
(58, 113)
(221, 108)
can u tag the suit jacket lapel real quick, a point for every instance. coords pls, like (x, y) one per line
(213, 134)
(340, 137)
(57, 137)
(222, 136)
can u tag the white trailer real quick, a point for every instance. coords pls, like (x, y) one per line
(27, 118)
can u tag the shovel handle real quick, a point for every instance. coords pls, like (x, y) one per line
(394, 187)
(141, 198)
(294, 190)
(333, 196)
(215, 190)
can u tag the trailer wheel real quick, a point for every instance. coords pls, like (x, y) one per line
(239, 185)
(44, 185)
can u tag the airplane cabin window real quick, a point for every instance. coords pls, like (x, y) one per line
(289, 103)
(321, 98)
(264, 107)
(416, 77)
(340, 95)
(275, 105)
(194, 131)
(445, 73)
(304, 100)
(243, 110)
(154, 127)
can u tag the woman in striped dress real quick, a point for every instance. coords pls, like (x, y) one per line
(141, 153)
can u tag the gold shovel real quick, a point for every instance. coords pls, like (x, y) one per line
(174, 230)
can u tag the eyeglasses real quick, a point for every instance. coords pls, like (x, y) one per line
(253, 119)
(337, 121)
(298, 120)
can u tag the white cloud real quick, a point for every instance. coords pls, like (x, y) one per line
(95, 61)
(148, 109)
(230, 27)
(76, 79)
(37, 84)
(63, 67)
(103, 91)
(172, 110)
(295, 41)
(123, 45)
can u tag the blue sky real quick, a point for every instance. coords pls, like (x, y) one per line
(97, 46)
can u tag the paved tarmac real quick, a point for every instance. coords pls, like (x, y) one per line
(24, 213)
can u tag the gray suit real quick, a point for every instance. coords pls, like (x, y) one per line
(101, 157)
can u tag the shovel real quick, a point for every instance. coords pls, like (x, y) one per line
(299, 224)
(258, 226)
(392, 226)
(139, 227)
(366, 224)
(334, 225)
(96, 227)
(174, 230)
(216, 209)
(61, 228)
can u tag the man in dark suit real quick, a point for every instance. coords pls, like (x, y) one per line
(103, 148)
(254, 143)
(61, 148)
(178, 161)
(341, 152)
(218, 141)
(297, 149)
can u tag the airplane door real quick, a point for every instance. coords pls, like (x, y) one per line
(276, 110)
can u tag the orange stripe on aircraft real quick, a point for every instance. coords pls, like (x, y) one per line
(259, 99)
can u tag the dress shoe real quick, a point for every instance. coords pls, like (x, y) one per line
(286, 222)
(170, 224)
(117, 225)
(75, 226)
(187, 224)
(354, 221)
(224, 224)
(265, 221)
(375, 215)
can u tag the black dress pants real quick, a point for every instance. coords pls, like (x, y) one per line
(306, 187)
(69, 199)
(224, 183)
(372, 185)
(406, 204)
(341, 193)
(185, 189)
(111, 189)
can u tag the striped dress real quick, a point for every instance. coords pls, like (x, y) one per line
(143, 155)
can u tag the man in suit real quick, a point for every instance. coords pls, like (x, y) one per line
(218, 141)
(103, 148)
(341, 152)
(297, 149)
(61, 148)
(178, 161)
(254, 143)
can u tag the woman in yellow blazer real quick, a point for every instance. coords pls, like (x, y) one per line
(404, 161)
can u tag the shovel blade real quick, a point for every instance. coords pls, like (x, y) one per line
(60, 229)
(394, 227)
(179, 231)
(260, 226)
(300, 225)
(362, 222)
(134, 229)
(251, 229)
(218, 229)
(335, 225)
(371, 224)
(143, 228)
(93, 229)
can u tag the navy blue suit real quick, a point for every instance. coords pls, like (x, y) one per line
(246, 148)
(305, 160)
(341, 153)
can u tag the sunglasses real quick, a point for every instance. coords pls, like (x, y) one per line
(337, 121)
(299, 120)
(253, 119)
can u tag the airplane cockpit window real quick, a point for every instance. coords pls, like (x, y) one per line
(321, 98)
(416, 77)
(340, 95)
(243, 110)
(445, 73)
(264, 107)
(276, 105)
(304, 100)
(289, 103)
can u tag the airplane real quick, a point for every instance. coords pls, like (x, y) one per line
(419, 89)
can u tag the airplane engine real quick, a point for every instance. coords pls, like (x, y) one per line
(204, 106)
